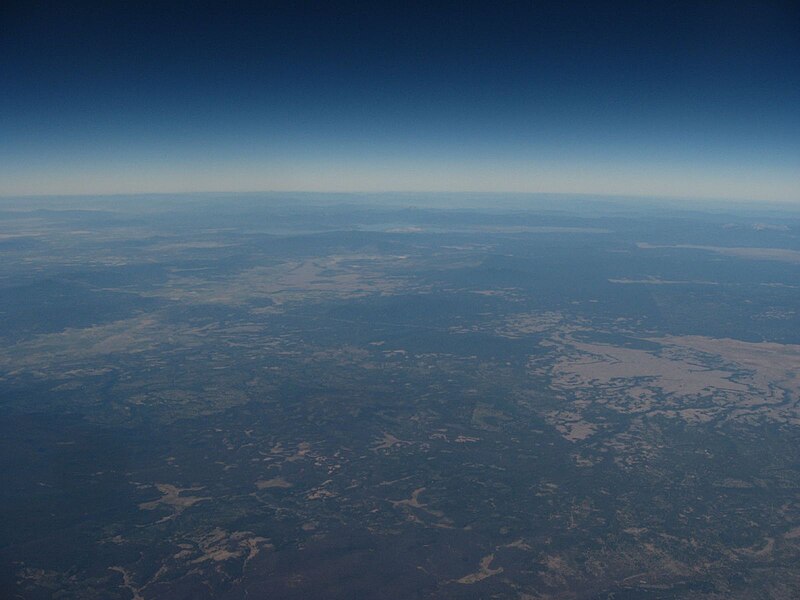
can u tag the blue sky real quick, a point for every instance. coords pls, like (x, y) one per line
(694, 99)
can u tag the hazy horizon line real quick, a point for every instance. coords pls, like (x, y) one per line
(391, 192)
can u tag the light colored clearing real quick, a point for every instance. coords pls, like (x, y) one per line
(300, 452)
(171, 497)
(484, 571)
(771, 364)
(215, 546)
(792, 534)
(770, 227)
(303, 449)
(321, 492)
(393, 481)
(71, 347)
(219, 546)
(778, 254)
(502, 292)
(529, 229)
(346, 275)
(602, 364)
(761, 550)
(63, 358)
(519, 544)
(199, 245)
(390, 353)
(275, 482)
(414, 503)
(15, 236)
(210, 551)
(571, 425)
(388, 441)
(496, 229)
(657, 281)
(409, 229)
(692, 378)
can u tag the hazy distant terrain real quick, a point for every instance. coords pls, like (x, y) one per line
(389, 397)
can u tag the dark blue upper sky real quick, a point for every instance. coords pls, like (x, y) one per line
(688, 99)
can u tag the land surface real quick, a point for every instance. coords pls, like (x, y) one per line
(328, 398)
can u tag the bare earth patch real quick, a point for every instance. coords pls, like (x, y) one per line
(275, 482)
(484, 571)
(172, 498)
